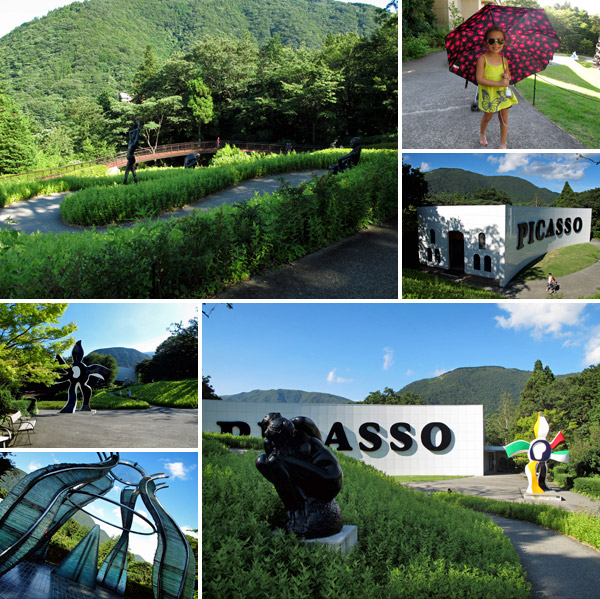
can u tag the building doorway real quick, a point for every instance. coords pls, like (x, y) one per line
(456, 242)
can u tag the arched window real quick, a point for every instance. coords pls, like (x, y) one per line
(432, 236)
(438, 256)
(482, 241)
(476, 262)
(429, 255)
(487, 264)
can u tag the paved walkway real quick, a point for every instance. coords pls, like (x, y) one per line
(557, 566)
(436, 113)
(362, 266)
(107, 429)
(43, 212)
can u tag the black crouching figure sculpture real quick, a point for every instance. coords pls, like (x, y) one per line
(134, 138)
(191, 160)
(306, 475)
(349, 160)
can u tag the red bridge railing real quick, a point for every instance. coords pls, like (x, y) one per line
(147, 154)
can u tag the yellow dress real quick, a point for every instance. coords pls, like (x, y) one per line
(493, 99)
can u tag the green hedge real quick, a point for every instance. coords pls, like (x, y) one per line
(171, 394)
(587, 486)
(102, 205)
(100, 401)
(583, 527)
(199, 255)
(409, 545)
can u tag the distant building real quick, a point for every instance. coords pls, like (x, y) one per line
(126, 374)
(496, 241)
(123, 97)
(467, 8)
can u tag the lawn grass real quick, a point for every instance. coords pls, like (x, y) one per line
(171, 394)
(415, 478)
(565, 74)
(420, 285)
(561, 262)
(574, 113)
(100, 401)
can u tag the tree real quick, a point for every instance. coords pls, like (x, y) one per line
(106, 361)
(17, 145)
(175, 358)
(200, 102)
(145, 74)
(499, 426)
(534, 397)
(30, 338)
(391, 397)
(414, 190)
(208, 391)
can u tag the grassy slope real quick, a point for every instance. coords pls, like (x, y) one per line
(420, 285)
(172, 394)
(409, 545)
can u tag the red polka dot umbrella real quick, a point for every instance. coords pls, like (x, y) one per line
(530, 41)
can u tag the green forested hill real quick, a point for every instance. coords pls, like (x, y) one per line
(479, 385)
(285, 396)
(126, 357)
(455, 180)
(86, 48)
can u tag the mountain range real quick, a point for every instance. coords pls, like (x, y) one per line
(456, 180)
(86, 48)
(126, 357)
(483, 385)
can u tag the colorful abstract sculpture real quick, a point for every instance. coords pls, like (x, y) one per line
(78, 376)
(539, 452)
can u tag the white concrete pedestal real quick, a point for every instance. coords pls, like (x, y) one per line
(343, 540)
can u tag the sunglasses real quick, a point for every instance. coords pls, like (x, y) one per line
(492, 41)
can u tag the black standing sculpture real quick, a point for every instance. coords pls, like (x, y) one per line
(77, 376)
(349, 160)
(191, 160)
(134, 138)
(306, 475)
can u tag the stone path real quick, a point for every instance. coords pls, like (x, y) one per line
(436, 113)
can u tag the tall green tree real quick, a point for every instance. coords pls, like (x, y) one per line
(17, 144)
(30, 338)
(534, 397)
(145, 74)
(390, 397)
(500, 425)
(200, 103)
(106, 361)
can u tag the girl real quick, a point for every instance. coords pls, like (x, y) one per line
(493, 77)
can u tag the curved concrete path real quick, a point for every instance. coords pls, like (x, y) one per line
(436, 113)
(43, 212)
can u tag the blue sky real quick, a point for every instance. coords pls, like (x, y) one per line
(22, 11)
(351, 349)
(180, 499)
(548, 170)
(142, 326)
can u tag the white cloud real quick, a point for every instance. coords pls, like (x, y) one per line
(439, 371)
(561, 169)
(592, 348)
(33, 466)
(425, 166)
(542, 318)
(189, 531)
(332, 378)
(509, 162)
(410, 372)
(388, 358)
(177, 470)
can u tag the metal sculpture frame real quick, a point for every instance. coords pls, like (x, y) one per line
(41, 502)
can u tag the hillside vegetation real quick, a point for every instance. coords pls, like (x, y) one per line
(409, 545)
(172, 394)
(285, 396)
(97, 45)
(462, 182)
(126, 357)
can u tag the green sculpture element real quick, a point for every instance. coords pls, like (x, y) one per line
(82, 563)
(174, 571)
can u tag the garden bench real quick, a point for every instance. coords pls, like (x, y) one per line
(17, 424)
(5, 436)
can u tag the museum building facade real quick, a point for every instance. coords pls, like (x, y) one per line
(496, 241)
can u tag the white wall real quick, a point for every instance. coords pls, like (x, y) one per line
(463, 456)
(516, 259)
(471, 221)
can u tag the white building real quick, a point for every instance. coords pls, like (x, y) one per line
(444, 440)
(496, 241)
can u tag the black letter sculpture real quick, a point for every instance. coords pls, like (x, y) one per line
(349, 160)
(78, 375)
(134, 138)
(306, 475)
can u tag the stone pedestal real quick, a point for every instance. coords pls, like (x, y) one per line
(547, 497)
(343, 540)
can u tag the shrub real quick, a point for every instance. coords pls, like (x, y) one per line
(414, 47)
(587, 486)
(5, 402)
(409, 545)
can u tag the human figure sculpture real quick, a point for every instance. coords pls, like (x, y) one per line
(349, 160)
(134, 138)
(306, 474)
(77, 376)
(191, 160)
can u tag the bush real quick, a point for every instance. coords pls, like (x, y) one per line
(414, 47)
(199, 255)
(5, 402)
(587, 486)
(409, 545)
